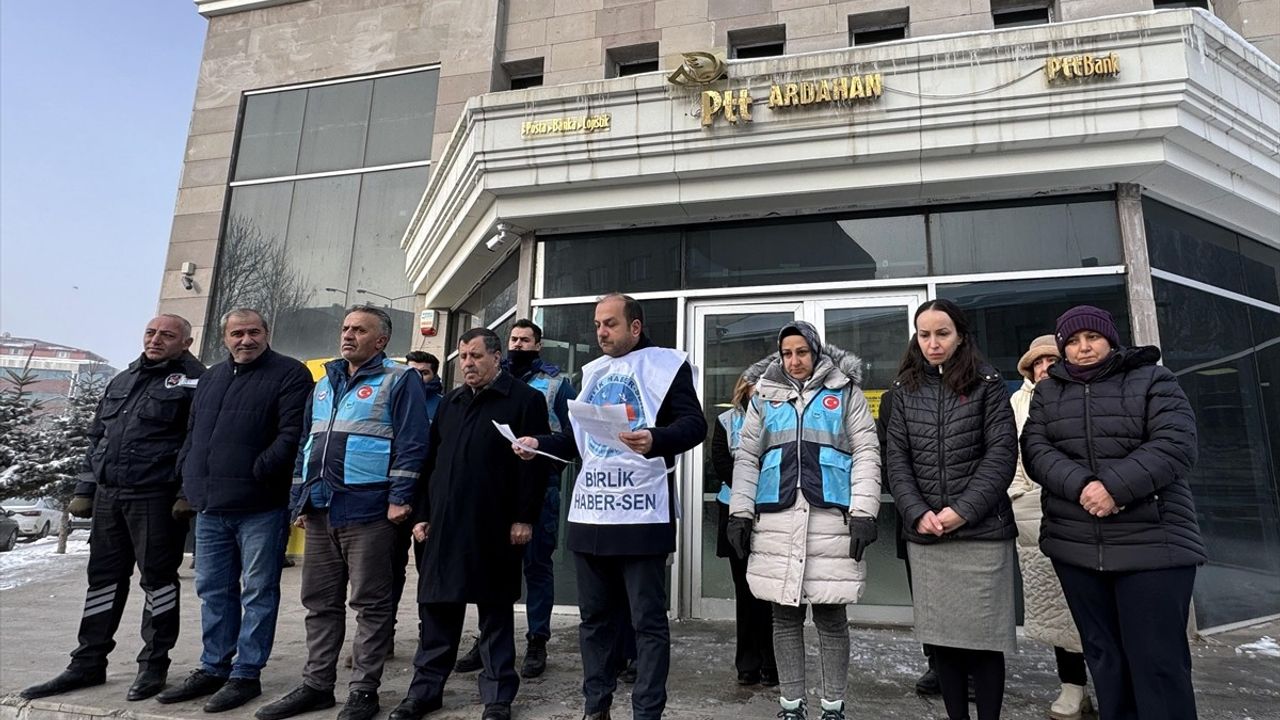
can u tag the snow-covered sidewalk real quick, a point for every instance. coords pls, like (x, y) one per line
(39, 560)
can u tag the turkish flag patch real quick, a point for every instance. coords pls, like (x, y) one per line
(831, 402)
(364, 393)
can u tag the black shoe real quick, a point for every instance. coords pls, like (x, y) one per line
(70, 679)
(361, 705)
(235, 693)
(628, 673)
(748, 678)
(535, 659)
(411, 709)
(147, 684)
(471, 661)
(602, 715)
(198, 684)
(497, 711)
(769, 678)
(303, 698)
(928, 683)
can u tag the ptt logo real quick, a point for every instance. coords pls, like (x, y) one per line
(616, 389)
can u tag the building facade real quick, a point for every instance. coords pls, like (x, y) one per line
(836, 162)
(58, 371)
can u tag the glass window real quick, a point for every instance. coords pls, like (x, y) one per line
(599, 264)
(1226, 357)
(1188, 246)
(1261, 270)
(817, 251)
(1007, 316)
(402, 119)
(270, 134)
(1027, 237)
(334, 128)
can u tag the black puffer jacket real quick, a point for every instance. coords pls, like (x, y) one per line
(953, 451)
(1133, 429)
(139, 428)
(246, 424)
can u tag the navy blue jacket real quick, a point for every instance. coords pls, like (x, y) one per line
(138, 431)
(410, 428)
(680, 426)
(434, 392)
(242, 439)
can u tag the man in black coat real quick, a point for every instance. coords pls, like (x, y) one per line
(129, 483)
(475, 514)
(622, 518)
(237, 466)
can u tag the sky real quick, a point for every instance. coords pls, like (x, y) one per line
(95, 101)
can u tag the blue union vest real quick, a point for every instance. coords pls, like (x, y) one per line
(549, 386)
(806, 450)
(731, 421)
(351, 435)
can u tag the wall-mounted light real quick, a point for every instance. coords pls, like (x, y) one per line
(503, 233)
(188, 275)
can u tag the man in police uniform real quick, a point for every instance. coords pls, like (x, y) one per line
(623, 511)
(365, 441)
(130, 485)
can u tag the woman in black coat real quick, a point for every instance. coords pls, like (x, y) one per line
(1111, 438)
(952, 449)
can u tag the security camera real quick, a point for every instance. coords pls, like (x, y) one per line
(188, 270)
(502, 235)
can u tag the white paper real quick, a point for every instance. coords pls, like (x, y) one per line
(601, 422)
(505, 431)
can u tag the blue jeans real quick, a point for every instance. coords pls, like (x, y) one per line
(241, 556)
(539, 575)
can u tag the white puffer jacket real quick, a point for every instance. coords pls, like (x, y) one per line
(800, 555)
(1046, 616)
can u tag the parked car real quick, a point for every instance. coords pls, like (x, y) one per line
(36, 518)
(8, 531)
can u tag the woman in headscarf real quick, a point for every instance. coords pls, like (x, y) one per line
(1111, 438)
(952, 451)
(1045, 614)
(806, 491)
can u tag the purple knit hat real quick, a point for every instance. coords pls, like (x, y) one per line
(1086, 317)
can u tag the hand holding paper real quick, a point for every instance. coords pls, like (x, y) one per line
(526, 452)
(604, 423)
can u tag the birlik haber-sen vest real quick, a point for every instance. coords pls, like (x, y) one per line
(615, 487)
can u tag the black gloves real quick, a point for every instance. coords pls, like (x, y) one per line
(739, 535)
(862, 532)
(182, 509)
(81, 506)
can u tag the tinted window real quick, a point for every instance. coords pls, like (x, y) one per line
(270, 134)
(597, 264)
(402, 119)
(334, 129)
(1029, 237)
(1186, 245)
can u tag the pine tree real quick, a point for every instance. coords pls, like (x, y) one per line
(17, 423)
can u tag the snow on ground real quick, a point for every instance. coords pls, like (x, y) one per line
(28, 562)
(1266, 646)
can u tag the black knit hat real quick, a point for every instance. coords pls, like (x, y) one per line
(1086, 317)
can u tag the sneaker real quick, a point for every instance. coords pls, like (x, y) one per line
(1072, 703)
(769, 678)
(198, 684)
(628, 673)
(497, 711)
(147, 684)
(303, 698)
(70, 679)
(235, 693)
(832, 710)
(928, 683)
(535, 659)
(791, 709)
(361, 705)
(471, 661)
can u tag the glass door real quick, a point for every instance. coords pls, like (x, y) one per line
(726, 338)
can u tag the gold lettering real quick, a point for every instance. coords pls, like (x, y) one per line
(874, 85)
(775, 96)
(824, 92)
(729, 112)
(806, 93)
(791, 96)
(1052, 67)
(711, 105)
(744, 105)
(855, 88)
(1115, 63)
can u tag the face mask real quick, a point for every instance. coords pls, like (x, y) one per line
(521, 360)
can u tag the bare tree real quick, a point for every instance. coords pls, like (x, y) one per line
(254, 270)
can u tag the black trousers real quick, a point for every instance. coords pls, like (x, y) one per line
(1134, 629)
(754, 618)
(604, 582)
(955, 666)
(1071, 667)
(399, 564)
(125, 533)
(441, 625)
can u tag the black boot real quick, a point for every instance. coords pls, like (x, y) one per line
(235, 693)
(70, 679)
(535, 659)
(471, 661)
(147, 684)
(198, 684)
